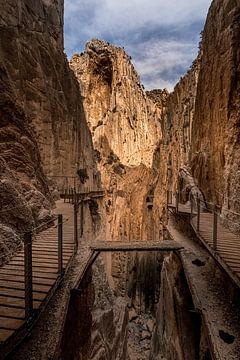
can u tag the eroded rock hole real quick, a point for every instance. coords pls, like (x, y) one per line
(226, 337)
(198, 262)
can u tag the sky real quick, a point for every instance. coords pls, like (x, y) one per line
(161, 36)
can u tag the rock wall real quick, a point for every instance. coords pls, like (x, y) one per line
(125, 124)
(43, 130)
(116, 105)
(96, 323)
(178, 333)
(173, 151)
(215, 145)
(33, 58)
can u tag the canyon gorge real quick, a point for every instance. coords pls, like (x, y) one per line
(84, 131)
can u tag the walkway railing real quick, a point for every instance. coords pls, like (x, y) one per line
(74, 195)
(28, 264)
(213, 229)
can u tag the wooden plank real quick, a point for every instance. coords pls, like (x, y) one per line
(8, 301)
(20, 285)
(10, 323)
(42, 264)
(12, 312)
(19, 278)
(5, 334)
(21, 294)
(50, 252)
(45, 270)
(43, 259)
(35, 273)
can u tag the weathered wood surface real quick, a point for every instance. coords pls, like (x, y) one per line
(227, 251)
(45, 273)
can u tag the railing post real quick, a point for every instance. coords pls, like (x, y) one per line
(76, 225)
(191, 204)
(60, 244)
(198, 213)
(215, 228)
(28, 275)
(177, 201)
(81, 219)
(167, 197)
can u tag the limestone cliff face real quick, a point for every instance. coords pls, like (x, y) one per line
(178, 329)
(116, 105)
(173, 151)
(215, 137)
(42, 125)
(32, 55)
(125, 124)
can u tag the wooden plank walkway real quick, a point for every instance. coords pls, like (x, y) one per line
(228, 244)
(227, 251)
(45, 274)
(166, 245)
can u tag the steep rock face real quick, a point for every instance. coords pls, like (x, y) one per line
(32, 55)
(173, 151)
(215, 145)
(179, 333)
(116, 105)
(125, 124)
(23, 188)
(42, 126)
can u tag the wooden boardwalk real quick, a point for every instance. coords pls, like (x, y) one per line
(226, 248)
(228, 244)
(45, 274)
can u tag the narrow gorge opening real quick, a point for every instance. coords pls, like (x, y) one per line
(92, 163)
(133, 314)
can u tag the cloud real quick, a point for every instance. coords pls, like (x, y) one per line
(161, 36)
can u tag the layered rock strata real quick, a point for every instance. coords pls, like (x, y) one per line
(215, 145)
(43, 130)
(32, 56)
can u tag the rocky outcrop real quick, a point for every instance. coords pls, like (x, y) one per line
(42, 128)
(125, 125)
(178, 327)
(116, 105)
(33, 58)
(96, 323)
(215, 145)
